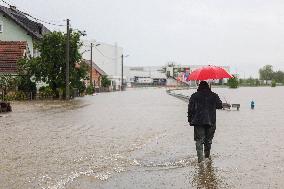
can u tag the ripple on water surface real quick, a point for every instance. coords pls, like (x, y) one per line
(141, 137)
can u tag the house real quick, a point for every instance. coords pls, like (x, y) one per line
(10, 53)
(16, 26)
(97, 74)
(108, 58)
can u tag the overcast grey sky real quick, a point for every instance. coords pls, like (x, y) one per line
(244, 34)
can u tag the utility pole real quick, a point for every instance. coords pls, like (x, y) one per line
(67, 60)
(121, 88)
(91, 72)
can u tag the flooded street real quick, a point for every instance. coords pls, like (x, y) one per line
(141, 139)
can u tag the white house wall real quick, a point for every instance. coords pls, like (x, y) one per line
(13, 32)
(106, 56)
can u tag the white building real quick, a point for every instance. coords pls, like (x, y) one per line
(107, 57)
(153, 72)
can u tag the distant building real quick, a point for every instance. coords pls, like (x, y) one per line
(145, 75)
(10, 53)
(16, 26)
(97, 74)
(108, 58)
(181, 72)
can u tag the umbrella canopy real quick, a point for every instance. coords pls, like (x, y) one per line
(209, 72)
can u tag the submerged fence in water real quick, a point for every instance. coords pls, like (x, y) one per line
(177, 95)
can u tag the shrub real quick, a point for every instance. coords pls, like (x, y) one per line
(17, 95)
(60, 93)
(105, 81)
(46, 92)
(26, 85)
(273, 83)
(233, 82)
(90, 90)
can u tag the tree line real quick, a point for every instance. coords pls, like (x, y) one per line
(267, 73)
(267, 76)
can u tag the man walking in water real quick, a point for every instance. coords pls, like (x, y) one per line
(202, 115)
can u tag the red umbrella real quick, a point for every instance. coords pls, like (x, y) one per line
(209, 72)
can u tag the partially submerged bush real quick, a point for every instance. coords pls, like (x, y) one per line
(16, 95)
(46, 92)
(90, 90)
(233, 82)
(273, 83)
(105, 81)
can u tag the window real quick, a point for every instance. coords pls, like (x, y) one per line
(1, 26)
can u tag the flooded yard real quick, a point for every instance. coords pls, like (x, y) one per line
(141, 139)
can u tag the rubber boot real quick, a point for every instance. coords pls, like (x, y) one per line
(199, 150)
(207, 148)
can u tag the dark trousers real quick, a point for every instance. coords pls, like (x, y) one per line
(203, 134)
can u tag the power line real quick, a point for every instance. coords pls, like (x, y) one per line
(113, 58)
(100, 52)
(6, 2)
(46, 22)
(42, 20)
(33, 17)
(10, 2)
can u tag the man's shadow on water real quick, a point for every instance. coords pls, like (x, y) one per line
(205, 176)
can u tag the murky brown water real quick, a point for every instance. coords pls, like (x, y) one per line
(140, 139)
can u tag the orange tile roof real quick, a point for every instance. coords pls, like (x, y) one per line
(10, 53)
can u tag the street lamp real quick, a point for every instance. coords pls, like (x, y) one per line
(91, 73)
(122, 57)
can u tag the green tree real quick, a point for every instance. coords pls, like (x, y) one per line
(78, 77)
(51, 65)
(233, 82)
(26, 69)
(266, 73)
(105, 81)
(90, 90)
(30, 68)
(278, 76)
(273, 83)
(53, 58)
(26, 85)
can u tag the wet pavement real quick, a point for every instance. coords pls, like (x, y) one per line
(141, 139)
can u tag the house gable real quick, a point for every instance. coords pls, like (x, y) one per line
(13, 32)
(17, 27)
(35, 29)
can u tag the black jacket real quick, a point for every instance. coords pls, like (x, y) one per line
(202, 108)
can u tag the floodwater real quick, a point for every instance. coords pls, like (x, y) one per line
(141, 139)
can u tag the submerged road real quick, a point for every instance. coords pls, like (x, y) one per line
(141, 139)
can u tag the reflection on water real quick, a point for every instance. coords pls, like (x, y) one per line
(205, 176)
